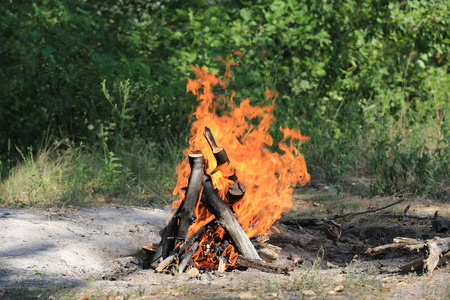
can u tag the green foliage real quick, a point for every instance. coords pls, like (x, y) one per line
(114, 73)
(403, 165)
(78, 175)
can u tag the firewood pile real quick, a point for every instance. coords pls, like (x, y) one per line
(222, 242)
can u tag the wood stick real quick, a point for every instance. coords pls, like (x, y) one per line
(182, 247)
(339, 216)
(227, 220)
(187, 216)
(187, 256)
(319, 222)
(173, 232)
(165, 263)
(406, 215)
(263, 266)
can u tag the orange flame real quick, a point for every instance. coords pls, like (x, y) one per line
(269, 177)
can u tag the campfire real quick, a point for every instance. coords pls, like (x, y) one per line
(231, 187)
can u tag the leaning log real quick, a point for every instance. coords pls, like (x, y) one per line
(178, 226)
(167, 239)
(187, 215)
(227, 220)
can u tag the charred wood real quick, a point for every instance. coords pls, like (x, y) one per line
(187, 216)
(167, 239)
(235, 192)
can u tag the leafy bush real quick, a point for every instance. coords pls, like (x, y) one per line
(342, 68)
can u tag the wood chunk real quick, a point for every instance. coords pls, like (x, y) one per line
(235, 192)
(151, 247)
(222, 264)
(192, 272)
(165, 263)
(269, 253)
(263, 266)
(220, 154)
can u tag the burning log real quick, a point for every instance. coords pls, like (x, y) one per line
(437, 249)
(187, 216)
(235, 192)
(227, 220)
(177, 229)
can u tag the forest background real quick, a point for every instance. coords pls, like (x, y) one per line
(93, 104)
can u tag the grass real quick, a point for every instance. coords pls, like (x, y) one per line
(137, 173)
(54, 291)
(356, 281)
(77, 175)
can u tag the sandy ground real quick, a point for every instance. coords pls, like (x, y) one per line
(93, 251)
(72, 246)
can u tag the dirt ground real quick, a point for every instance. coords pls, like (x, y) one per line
(95, 253)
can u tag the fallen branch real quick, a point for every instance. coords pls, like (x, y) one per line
(407, 215)
(437, 252)
(359, 212)
(333, 227)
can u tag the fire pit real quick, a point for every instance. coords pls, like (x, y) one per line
(231, 187)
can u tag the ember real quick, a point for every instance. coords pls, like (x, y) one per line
(228, 196)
